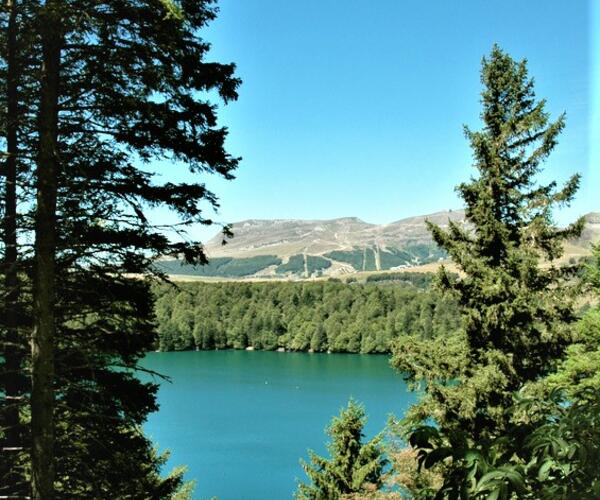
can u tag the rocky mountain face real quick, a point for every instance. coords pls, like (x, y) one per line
(299, 249)
(591, 231)
(285, 238)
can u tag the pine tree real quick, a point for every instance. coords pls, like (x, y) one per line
(131, 89)
(13, 382)
(354, 466)
(515, 306)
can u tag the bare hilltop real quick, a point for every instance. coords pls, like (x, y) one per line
(301, 249)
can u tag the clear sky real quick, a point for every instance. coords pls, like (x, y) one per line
(355, 108)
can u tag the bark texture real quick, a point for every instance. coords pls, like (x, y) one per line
(42, 345)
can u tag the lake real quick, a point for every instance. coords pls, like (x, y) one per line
(242, 420)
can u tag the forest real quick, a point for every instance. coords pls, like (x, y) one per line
(360, 259)
(364, 259)
(300, 316)
(220, 266)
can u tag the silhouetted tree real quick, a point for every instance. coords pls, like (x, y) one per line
(123, 84)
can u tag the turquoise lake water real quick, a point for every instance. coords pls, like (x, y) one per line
(242, 420)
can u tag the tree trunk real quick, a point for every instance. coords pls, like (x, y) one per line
(42, 345)
(13, 482)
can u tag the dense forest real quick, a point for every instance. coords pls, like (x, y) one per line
(304, 264)
(220, 266)
(300, 316)
(365, 259)
(370, 258)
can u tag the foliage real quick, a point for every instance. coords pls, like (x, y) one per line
(517, 318)
(295, 264)
(516, 313)
(419, 280)
(425, 253)
(551, 453)
(246, 266)
(579, 370)
(133, 87)
(322, 316)
(364, 259)
(354, 466)
(353, 257)
(220, 266)
(592, 271)
(369, 263)
(394, 257)
(408, 477)
(315, 263)
(361, 259)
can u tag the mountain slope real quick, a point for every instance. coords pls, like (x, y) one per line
(299, 249)
(285, 238)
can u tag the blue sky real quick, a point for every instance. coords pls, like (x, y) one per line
(356, 108)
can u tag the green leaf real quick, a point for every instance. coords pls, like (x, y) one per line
(545, 469)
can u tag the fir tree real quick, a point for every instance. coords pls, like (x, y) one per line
(516, 311)
(354, 466)
(13, 381)
(123, 84)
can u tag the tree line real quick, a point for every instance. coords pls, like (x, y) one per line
(299, 316)
(361, 259)
(220, 266)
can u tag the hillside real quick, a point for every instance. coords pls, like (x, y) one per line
(591, 231)
(300, 249)
(285, 238)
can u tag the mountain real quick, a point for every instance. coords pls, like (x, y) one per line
(591, 231)
(283, 248)
(284, 238)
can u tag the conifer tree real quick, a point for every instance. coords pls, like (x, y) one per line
(513, 296)
(354, 466)
(579, 370)
(129, 86)
(13, 382)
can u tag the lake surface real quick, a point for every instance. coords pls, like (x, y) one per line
(242, 420)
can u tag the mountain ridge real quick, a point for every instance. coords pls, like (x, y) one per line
(302, 249)
(286, 237)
